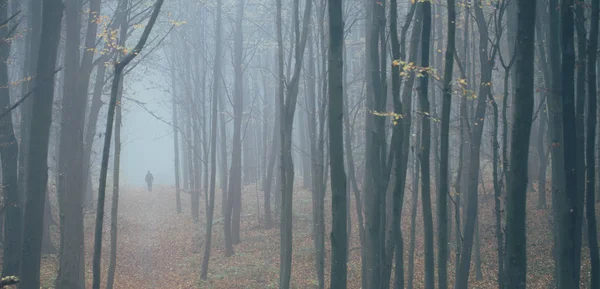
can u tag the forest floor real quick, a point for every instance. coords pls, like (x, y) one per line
(158, 248)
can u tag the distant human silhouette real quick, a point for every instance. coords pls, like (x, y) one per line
(149, 180)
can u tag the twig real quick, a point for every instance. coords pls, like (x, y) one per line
(20, 101)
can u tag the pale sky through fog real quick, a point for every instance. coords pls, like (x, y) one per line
(147, 143)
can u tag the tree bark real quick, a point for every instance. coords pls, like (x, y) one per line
(176, 143)
(37, 158)
(415, 208)
(213, 141)
(590, 148)
(516, 206)
(112, 263)
(424, 153)
(83, 83)
(442, 213)
(287, 104)
(336, 146)
(568, 209)
(232, 234)
(9, 152)
(71, 176)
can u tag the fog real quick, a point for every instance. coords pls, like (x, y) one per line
(313, 144)
(147, 141)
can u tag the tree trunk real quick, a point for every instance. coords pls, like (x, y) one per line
(223, 153)
(34, 20)
(424, 153)
(112, 263)
(415, 207)
(442, 213)
(336, 147)
(71, 179)
(213, 142)
(497, 196)
(475, 147)
(568, 209)
(83, 83)
(579, 126)
(232, 233)
(9, 152)
(374, 148)
(287, 104)
(91, 128)
(176, 144)
(555, 108)
(516, 271)
(590, 148)
(354, 185)
(37, 158)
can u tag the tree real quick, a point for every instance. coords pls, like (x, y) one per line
(516, 270)
(336, 146)
(37, 158)
(119, 67)
(287, 105)
(374, 147)
(590, 148)
(9, 152)
(426, 147)
(71, 181)
(213, 142)
(234, 198)
(486, 60)
(112, 263)
(176, 141)
(442, 214)
(567, 206)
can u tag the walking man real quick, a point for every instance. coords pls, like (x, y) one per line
(149, 180)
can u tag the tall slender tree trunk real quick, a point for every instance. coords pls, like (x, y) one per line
(85, 73)
(213, 141)
(374, 148)
(497, 196)
(9, 152)
(442, 213)
(424, 153)
(579, 124)
(34, 20)
(235, 176)
(71, 181)
(37, 158)
(176, 144)
(348, 136)
(336, 146)
(568, 209)
(415, 207)
(287, 104)
(590, 148)
(112, 263)
(472, 201)
(224, 184)
(516, 242)
(555, 108)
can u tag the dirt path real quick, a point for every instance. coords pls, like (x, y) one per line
(154, 243)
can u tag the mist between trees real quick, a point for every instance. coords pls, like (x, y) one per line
(299, 144)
